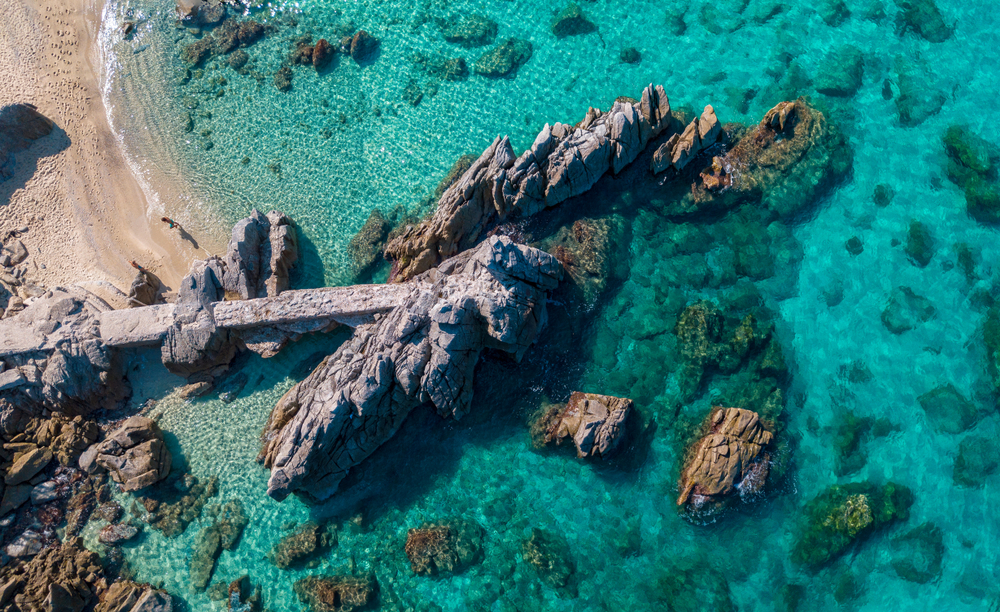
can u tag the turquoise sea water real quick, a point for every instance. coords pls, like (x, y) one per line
(344, 142)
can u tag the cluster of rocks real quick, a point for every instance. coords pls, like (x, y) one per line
(731, 459)
(563, 161)
(424, 350)
(359, 46)
(441, 549)
(135, 454)
(596, 424)
(585, 251)
(231, 35)
(550, 557)
(175, 503)
(974, 165)
(69, 577)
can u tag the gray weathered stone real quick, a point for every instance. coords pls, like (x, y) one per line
(135, 454)
(425, 350)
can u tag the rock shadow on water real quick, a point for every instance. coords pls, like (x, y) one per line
(309, 271)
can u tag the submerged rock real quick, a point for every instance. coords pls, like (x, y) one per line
(472, 31)
(564, 161)
(919, 244)
(917, 554)
(847, 513)
(595, 423)
(841, 72)
(690, 584)
(178, 503)
(302, 544)
(978, 459)
(974, 165)
(731, 458)
(224, 533)
(118, 533)
(363, 46)
(585, 251)
(923, 18)
(630, 55)
(335, 593)
(425, 350)
(572, 22)
(283, 78)
(549, 555)
(135, 454)
(444, 548)
(948, 410)
(906, 310)
(504, 60)
(920, 95)
(322, 54)
(365, 247)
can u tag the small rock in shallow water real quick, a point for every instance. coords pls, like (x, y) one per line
(445, 548)
(919, 244)
(923, 18)
(905, 310)
(948, 410)
(834, 13)
(630, 55)
(116, 534)
(854, 246)
(238, 59)
(283, 78)
(549, 555)
(572, 22)
(883, 194)
(917, 554)
(472, 31)
(595, 423)
(322, 54)
(28, 544)
(841, 72)
(363, 46)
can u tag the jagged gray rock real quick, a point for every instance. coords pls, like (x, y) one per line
(52, 355)
(564, 161)
(193, 343)
(143, 289)
(259, 255)
(135, 454)
(681, 148)
(425, 350)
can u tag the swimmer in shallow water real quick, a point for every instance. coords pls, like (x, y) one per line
(170, 222)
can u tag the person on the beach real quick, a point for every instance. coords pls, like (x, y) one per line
(170, 222)
(136, 266)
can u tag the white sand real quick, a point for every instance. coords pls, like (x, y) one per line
(86, 214)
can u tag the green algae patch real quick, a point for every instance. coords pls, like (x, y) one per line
(847, 513)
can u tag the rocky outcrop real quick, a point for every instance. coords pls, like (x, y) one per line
(128, 596)
(20, 125)
(471, 31)
(564, 161)
(143, 290)
(444, 548)
(730, 459)
(193, 343)
(259, 256)
(135, 454)
(682, 147)
(595, 423)
(52, 355)
(61, 578)
(425, 350)
(223, 534)
(786, 162)
(335, 593)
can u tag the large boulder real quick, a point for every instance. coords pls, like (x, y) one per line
(259, 256)
(128, 596)
(193, 343)
(135, 454)
(905, 310)
(595, 423)
(424, 350)
(730, 459)
(20, 125)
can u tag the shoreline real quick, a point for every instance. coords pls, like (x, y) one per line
(85, 211)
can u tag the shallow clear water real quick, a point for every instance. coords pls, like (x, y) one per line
(347, 143)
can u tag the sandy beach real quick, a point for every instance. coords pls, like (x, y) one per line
(85, 213)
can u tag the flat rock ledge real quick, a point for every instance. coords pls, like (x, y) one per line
(730, 459)
(424, 350)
